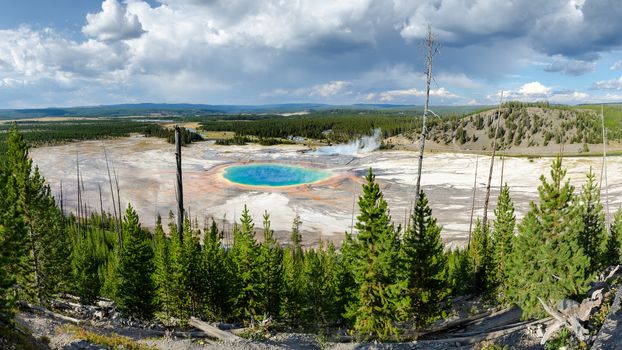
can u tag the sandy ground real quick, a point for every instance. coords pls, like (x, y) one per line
(147, 174)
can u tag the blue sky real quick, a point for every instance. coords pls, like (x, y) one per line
(89, 52)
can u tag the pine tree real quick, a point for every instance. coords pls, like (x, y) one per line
(292, 303)
(612, 253)
(381, 294)
(547, 261)
(246, 296)
(425, 264)
(85, 270)
(217, 274)
(45, 267)
(12, 237)
(271, 259)
(163, 277)
(481, 259)
(321, 286)
(135, 291)
(193, 278)
(593, 237)
(502, 239)
(459, 271)
(347, 289)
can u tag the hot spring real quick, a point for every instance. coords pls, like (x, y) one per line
(273, 175)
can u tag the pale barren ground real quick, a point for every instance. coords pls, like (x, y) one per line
(147, 174)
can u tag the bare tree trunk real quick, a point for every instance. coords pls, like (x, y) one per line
(79, 204)
(603, 171)
(114, 205)
(432, 49)
(180, 189)
(502, 168)
(492, 163)
(101, 208)
(473, 200)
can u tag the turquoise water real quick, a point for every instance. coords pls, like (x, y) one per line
(273, 174)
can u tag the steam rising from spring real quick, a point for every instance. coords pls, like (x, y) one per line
(365, 144)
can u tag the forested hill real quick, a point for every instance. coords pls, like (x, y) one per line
(522, 128)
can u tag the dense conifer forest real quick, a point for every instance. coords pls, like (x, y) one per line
(380, 283)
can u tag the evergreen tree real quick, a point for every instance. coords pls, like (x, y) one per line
(45, 266)
(381, 294)
(247, 297)
(135, 291)
(425, 264)
(593, 237)
(547, 261)
(192, 275)
(292, 302)
(481, 259)
(459, 271)
(12, 237)
(163, 277)
(502, 239)
(271, 259)
(85, 270)
(321, 286)
(217, 274)
(612, 253)
(347, 289)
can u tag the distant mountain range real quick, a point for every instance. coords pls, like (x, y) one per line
(179, 109)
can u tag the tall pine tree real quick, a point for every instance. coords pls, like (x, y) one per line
(425, 264)
(593, 236)
(381, 297)
(247, 297)
(271, 259)
(612, 255)
(135, 290)
(547, 261)
(502, 239)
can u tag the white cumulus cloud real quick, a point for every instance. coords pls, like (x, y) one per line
(113, 23)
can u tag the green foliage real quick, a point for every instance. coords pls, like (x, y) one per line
(481, 257)
(592, 237)
(135, 291)
(613, 248)
(320, 286)
(547, 261)
(247, 297)
(381, 297)
(425, 264)
(87, 283)
(163, 276)
(217, 270)
(271, 260)
(459, 273)
(502, 239)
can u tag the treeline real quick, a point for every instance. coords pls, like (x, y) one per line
(333, 126)
(55, 132)
(381, 281)
(187, 136)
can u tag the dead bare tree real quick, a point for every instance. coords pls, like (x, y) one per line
(79, 204)
(603, 171)
(473, 200)
(179, 188)
(432, 49)
(114, 205)
(492, 164)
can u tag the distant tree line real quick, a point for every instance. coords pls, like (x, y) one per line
(187, 136)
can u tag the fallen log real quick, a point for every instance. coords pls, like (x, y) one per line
(51, 313)
(476, 319)
(212, 331)
(484, 335)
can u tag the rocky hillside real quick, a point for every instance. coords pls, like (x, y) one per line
(522, 128)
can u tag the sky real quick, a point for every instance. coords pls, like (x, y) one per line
(92, 52)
